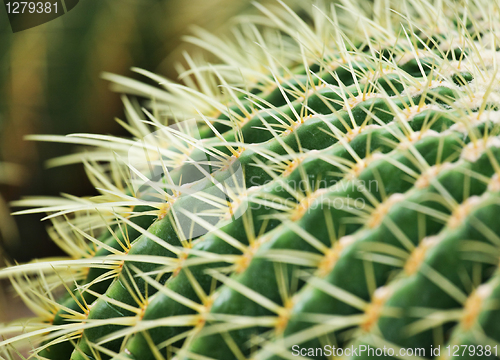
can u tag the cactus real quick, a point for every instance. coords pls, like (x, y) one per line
(330, 185)
(50, 74)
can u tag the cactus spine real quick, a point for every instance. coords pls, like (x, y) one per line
(331, 183)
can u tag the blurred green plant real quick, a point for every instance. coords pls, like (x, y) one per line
(10, 174)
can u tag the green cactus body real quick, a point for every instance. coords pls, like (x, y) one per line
(323, 188)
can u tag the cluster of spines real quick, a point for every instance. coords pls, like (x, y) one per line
(372, 122)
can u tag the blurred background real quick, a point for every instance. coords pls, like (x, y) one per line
(50, 84)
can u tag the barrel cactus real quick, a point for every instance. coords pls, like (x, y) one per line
(329, 188)
(50, 83)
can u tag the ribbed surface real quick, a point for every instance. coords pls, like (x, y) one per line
(370, 211)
